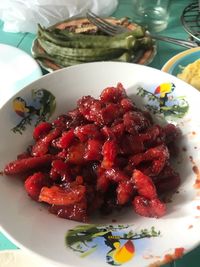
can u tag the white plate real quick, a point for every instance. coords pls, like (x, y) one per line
(19, 258)
(17, 69)
(29, 225)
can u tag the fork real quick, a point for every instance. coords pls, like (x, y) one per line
(112, 29)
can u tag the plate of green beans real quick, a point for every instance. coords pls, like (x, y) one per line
(77, 41)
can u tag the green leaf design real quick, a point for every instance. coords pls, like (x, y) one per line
(175, 110)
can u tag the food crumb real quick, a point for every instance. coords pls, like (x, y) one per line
(198, 207)
(190, 226)
(193, 132)
(191, 159)
(178, 253)
(197, 184)
(167, 199)
(184, 149)
(197, 172)
(150, 256)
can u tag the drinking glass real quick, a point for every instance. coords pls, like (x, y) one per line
(153, 14)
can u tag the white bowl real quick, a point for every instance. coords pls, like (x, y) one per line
(29, 224)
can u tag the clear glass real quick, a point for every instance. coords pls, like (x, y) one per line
(153, 14)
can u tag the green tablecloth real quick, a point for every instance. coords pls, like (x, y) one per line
(165, 52)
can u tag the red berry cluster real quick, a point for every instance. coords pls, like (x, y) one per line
(103, 155)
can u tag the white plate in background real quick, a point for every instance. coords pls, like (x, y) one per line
(17, 69)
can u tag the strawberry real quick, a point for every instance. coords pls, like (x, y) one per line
(76, 153)
(66, 139)
(149, 208)
(61, 196)
(26, 164)
(34, 184)
(109, 152)
(41, 129)
(60, 169)
(88, 131)
(125, 191)
(113, 94)
(41, 147)
(76, 212)
(93, 150)
(144, 185)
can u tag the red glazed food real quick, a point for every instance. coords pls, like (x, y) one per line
(103, 155)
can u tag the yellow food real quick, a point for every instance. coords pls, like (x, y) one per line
(191, 74)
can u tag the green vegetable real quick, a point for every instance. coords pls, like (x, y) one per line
(145, 42)
(59, 60)
(82, 54)
(66, 48)
(123, 41)
(65, 62)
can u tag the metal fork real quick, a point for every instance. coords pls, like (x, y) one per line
(112, 29)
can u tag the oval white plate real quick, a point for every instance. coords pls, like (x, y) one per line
(30, 225)
(17, 69)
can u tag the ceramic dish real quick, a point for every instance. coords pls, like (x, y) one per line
(17, 70)
(82, 25)
(19, 258)
(29, 225)
(176, 64)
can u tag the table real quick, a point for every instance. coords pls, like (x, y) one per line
(165, 52)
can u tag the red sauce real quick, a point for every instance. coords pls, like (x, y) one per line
(197, 172)
(103, 141)
(178, 253)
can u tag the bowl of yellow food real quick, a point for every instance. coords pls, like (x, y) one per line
(185, 66)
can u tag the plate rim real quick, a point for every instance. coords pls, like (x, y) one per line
(167, 66)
